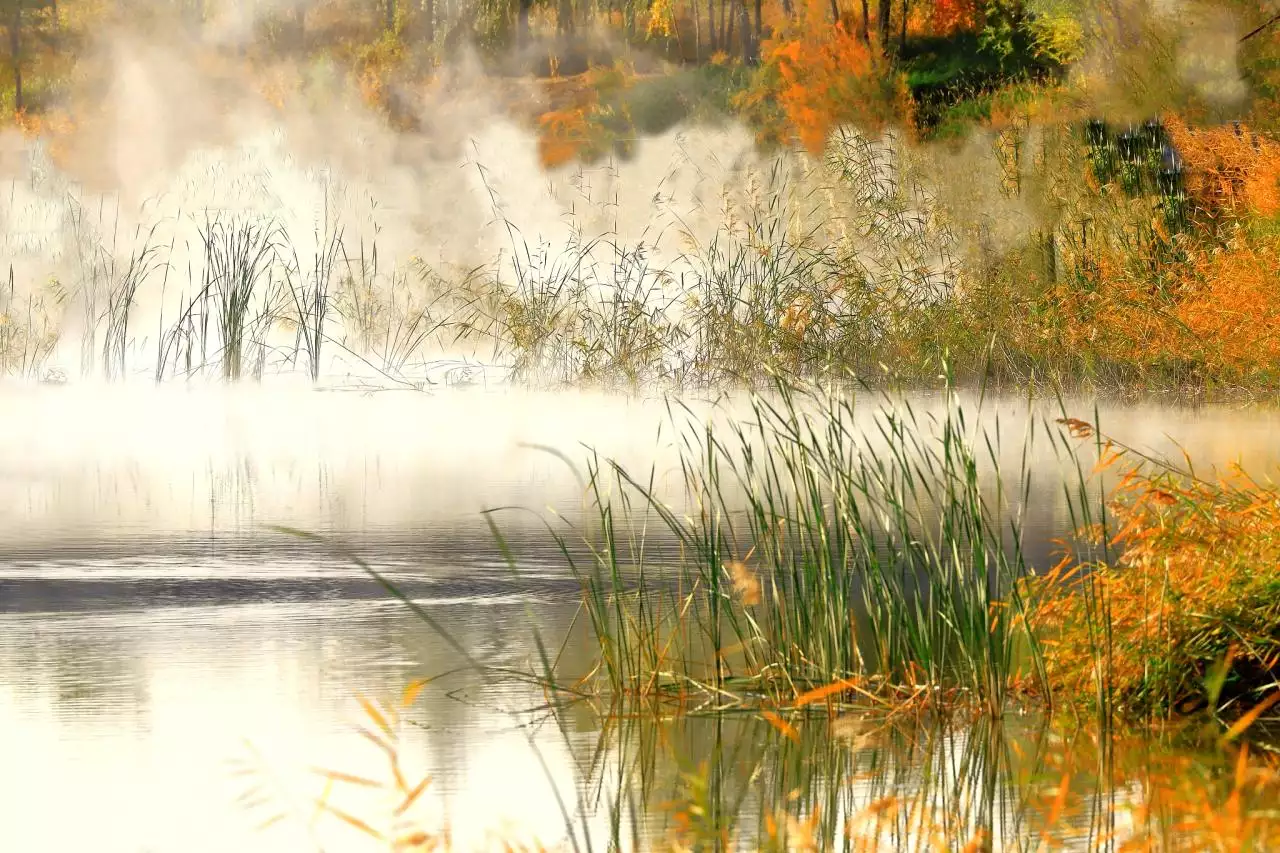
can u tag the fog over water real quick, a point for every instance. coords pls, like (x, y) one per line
(157, 636)
(152, 625)
(105, 461)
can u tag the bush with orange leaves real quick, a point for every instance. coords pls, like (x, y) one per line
(563, 135)
(1190, 611)
(1230, 171)
(589, 118)
(814, 77)
(1209, 315)
(953, 16)
(1229, 306)
(1110, 324)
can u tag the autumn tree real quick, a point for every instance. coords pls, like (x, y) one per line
(952, 16)
(20, 19)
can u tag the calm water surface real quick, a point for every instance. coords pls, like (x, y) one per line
(163, 653)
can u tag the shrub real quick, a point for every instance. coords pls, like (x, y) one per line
(815, 78)
(1196, 587)
(1230, 171)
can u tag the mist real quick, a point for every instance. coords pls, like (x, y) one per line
(108, 224)
(438, 247)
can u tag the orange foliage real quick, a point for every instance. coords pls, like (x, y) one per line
(584, 114)
(1229, 170)
(1199, 574)
(1217, 310)
(952, 16)
(1114, 318)
(372, 86)
(55, 127)
(562, 135)
(280, 83)
(1230, 303)
(565, 132)
(821, 77)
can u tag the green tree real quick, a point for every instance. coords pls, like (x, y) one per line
(19, 19)
(1004, 25)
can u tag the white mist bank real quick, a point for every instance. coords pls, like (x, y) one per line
(105, 252)
(101, 461)
(115, 227)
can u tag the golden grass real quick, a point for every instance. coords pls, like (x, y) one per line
(1189, 608)
(1231, 170)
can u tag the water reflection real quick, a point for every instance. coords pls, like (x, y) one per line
(155, 640)
(127, 719)
(187, 728)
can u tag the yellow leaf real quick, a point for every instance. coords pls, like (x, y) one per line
(270, 822)
(376, 715)
(1251, 716)
(353, 821)
(1076, 427)
(745, 583)
(412, 691)
(1055, 811)
(820, 693)
(415, 840)
(338, 776)
(376, 740)
(788, 730)
(412, 796)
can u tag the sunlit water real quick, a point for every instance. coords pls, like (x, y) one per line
(157, 638)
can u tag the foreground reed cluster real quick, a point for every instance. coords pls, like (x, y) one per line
(836, 631)
(886, 551)
(821, 549)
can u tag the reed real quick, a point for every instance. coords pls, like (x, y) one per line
(310, 295)
(27, 336)
(877, 554)
(238, 283)
(124, 282)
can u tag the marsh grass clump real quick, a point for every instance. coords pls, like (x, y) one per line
(805, 267)
(309, 290)
(124, 281)
(819, 548)
(239, 257)
(27, 335)
(822, 548)
(226, 321)
(1187, 615)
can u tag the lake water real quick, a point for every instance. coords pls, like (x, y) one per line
(163, 653)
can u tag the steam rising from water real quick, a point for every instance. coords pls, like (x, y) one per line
(97, 463)
(181, 135)
(174, 146)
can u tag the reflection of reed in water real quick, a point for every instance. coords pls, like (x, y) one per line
(873, 572)
(867, 780)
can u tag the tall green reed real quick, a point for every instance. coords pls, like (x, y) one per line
(123, 283)
(817, 545)
(238, 257)
(309, 291)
